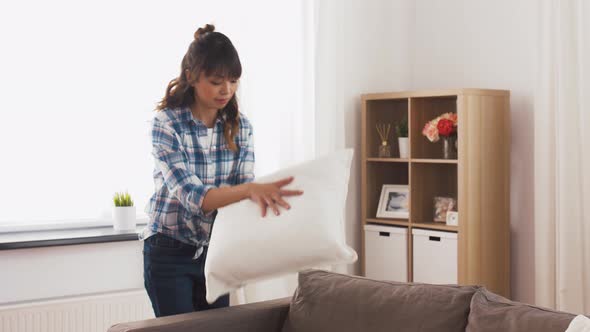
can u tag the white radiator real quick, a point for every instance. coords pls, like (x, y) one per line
(77, 314)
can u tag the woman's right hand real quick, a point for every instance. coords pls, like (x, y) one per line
(271, 195)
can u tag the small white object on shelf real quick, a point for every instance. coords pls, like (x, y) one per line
(452, 218)
(403, 147)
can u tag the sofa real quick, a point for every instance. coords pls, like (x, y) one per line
(327, 301)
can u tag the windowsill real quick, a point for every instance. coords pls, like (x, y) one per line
(63, 237)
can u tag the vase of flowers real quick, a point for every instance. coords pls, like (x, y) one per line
(445, 127)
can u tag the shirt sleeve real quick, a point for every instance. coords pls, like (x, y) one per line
(246, 168)
(171, 159)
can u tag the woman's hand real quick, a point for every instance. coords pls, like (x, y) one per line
(271, 195)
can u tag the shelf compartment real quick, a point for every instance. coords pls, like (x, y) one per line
(379, 174)
(423, 110)
(428, 181)
(382, 112)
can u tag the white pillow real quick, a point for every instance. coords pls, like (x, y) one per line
(245, 247)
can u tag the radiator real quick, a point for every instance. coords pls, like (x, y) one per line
(76, 314)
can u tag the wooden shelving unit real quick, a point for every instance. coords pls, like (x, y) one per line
(478, 178)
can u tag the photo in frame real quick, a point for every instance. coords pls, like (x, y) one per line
(441, 206)
(394, 202)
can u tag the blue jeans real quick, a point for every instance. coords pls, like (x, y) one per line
(174, 281)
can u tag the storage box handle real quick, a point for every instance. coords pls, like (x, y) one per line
(383, 233)
(434, 238)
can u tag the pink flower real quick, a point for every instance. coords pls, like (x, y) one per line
(450, 116)
(430, 131)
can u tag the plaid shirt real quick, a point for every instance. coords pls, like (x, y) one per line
(186, 168)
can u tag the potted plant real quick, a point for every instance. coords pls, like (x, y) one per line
(445, 127)
(401, 128)
(123, 212)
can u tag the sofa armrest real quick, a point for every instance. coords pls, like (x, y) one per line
(266, 316)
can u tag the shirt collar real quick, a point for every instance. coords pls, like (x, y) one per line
(187, 115)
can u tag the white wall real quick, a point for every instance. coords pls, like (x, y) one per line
(68, 271)
(362, 46)
(51, 272)
(488, 44)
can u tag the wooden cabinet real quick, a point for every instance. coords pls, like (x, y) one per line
(479, 178)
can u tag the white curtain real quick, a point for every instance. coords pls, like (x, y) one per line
(283, 123)
(562, 156)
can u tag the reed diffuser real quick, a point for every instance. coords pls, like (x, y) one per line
(383, 130)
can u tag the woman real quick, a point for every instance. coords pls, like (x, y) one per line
(204, 160)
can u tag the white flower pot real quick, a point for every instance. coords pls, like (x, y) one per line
(403, 147)
(124, 218)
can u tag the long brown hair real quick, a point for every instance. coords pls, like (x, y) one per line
(211, 53)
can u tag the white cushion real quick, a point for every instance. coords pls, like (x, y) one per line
(245, 247)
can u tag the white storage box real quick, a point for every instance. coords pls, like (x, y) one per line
(435, 256)
(386, 253)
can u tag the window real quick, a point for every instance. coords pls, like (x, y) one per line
(79, 82)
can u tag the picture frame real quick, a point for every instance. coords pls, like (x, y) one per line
(442, 205)
(452, 218)
(394, 202)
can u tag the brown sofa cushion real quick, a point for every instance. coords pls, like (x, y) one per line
(326, 301)
(492, 312)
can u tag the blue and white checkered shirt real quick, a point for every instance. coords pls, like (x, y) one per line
(187, 167)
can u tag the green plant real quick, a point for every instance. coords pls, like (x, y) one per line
(401, 128)
(122, 199)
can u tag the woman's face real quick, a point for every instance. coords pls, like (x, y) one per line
(214, 92)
